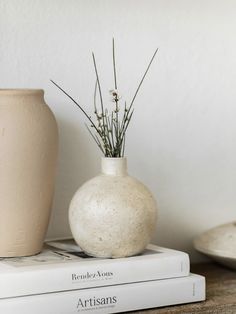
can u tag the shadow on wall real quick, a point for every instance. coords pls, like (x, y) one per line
(76, 164)
(174, 232)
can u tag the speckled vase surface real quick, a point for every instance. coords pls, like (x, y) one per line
(113, 215)
(28, 146)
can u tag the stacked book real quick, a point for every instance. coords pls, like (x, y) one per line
(64, 280)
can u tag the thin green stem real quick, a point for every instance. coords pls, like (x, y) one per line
(123, 147)
(114, 62)
(99, 86)
(77, 104)
(124, 118)
(94, 98)
(107, 131)
(95, 139)
(141, 82)
(127, 124)
(115, 81)
(112, 133)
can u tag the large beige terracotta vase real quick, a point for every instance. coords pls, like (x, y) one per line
(28, 153)
(113, 215)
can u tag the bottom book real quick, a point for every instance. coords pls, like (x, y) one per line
(111, 299)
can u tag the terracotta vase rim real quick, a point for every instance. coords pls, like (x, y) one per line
(21, 91)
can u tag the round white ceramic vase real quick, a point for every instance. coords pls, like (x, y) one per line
(113, 215)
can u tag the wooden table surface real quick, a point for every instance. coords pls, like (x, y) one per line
(221, 293)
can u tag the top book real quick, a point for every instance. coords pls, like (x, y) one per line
(63, 266)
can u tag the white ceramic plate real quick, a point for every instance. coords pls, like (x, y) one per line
(219, 243)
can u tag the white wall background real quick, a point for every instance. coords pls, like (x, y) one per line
(182, 140)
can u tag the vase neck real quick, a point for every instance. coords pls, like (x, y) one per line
(114, 166)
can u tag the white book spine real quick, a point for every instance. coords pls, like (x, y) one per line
(74, 276)
(113, 299)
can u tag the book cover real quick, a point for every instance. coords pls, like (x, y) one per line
(111, 299)
(63, 266)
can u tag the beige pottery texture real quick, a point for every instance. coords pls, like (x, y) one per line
(28, 153)
(113, 215)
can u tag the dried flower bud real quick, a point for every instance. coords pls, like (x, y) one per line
(115, 95)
